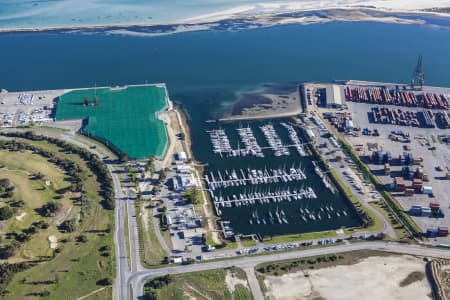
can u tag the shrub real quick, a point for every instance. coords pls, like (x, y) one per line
(104, 281)
(5, 213)
(49, 209)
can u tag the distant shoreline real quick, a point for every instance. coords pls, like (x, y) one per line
(241, 20)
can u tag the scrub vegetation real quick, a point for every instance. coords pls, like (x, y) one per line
(57, 243)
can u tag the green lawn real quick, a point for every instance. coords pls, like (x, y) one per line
(19, 167)
(377, 222)
(75, 270)
(152, 254)
(290, 238)
(206, 285)
(125, 119)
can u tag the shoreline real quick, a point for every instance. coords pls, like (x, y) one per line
(258, 18)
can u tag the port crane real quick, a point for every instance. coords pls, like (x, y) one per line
(418, 77)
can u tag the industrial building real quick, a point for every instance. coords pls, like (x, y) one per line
(334, 96)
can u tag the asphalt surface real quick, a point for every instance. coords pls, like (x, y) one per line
(131, 280)
(138, 279)
(363, 198)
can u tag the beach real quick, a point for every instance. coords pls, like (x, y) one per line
(62, 17)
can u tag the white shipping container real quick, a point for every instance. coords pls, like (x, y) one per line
(427, 190)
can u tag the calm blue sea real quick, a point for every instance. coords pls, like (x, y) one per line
(205, 70)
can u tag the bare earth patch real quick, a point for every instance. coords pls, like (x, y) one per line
(371, 278)
(21, 216)
(53, 242)
(232, 281)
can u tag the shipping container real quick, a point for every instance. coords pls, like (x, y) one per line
(442, 230)
(432, 232)
(426, 211)
(427, 190)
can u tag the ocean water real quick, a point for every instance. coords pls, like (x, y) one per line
(25, 13)
(204, 71)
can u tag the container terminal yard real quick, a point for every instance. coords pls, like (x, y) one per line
(260, 173)
(402, 133)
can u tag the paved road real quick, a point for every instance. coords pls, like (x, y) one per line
(363, 198)
(121, 288)
(137, 276)
(155, 224)
(254, 284)
(138, 279)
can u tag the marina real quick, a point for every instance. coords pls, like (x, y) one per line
(295, 139)
(250, 142)
(222, 146)
(286, 192)
(263, 197)
(252, 176)
(274, 141)
(278, 216)
(324, 178)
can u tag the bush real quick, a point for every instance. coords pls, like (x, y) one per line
(10, 250)
(104, 281)
(159, 282)
(5, 213)
(150, 295)
(82, 238)
(68, 225)
(49, 209)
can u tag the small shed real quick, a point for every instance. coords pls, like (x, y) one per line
(181, 156)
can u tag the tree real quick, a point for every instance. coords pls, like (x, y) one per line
(5, 213)
(150, 295)
(68, 225)
(150, 166)
(162, 176)
(86, 101)
(123, 157)
(96, 101)
(5, 183)
(10, 250)
(49, 209)
(104, 281)
(193, 196)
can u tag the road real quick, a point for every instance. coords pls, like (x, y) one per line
(336, 165)
(134, 277)
(121, 289)
(155, 224)
(254, 284)
(137, 279)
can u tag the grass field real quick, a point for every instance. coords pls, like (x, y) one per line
(124, 118)
(290, 238)
(152, 254)
(279, 268)
(74, 271)
(217, 284)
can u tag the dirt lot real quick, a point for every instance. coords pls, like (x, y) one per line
(371, 278)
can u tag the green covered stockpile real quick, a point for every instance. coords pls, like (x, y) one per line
(125, 118)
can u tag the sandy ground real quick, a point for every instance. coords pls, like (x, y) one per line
(372, 278)
(306, 5)
(284, 105)
(207, 209)
(53, 242)
(21, 216)
(233, 281)
(186, 20)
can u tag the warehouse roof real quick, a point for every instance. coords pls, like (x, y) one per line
(334, 94)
